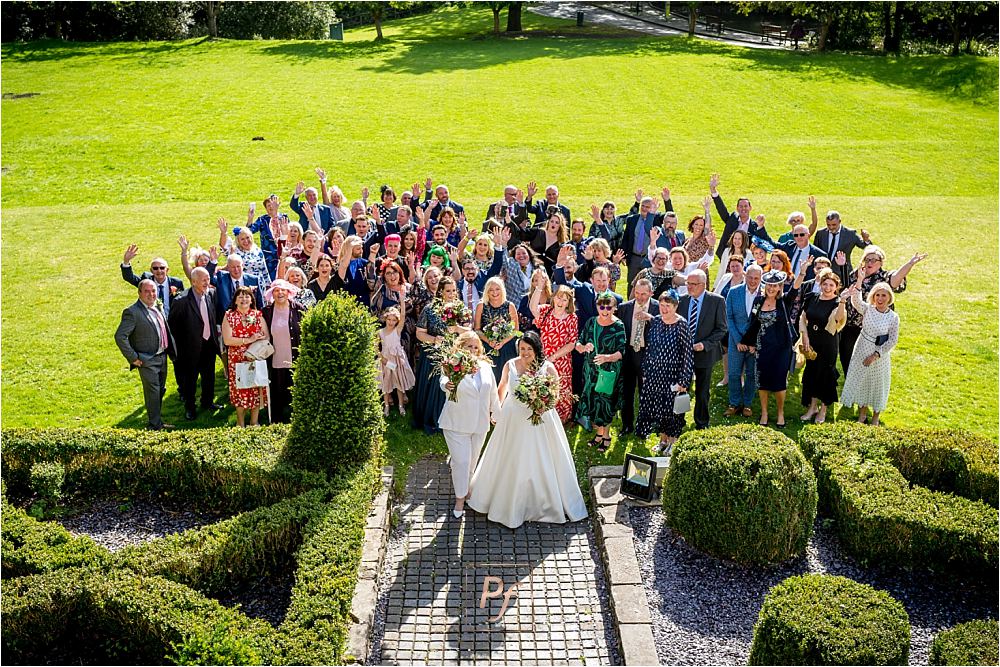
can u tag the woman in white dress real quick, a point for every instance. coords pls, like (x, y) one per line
(527, 472)
(870, 373)
(466, 422)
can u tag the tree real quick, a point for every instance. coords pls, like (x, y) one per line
(692, 17)
(960, 18)
(496, 8)
(826, 13)
(514, 16)
(892, 20)
(211, 14)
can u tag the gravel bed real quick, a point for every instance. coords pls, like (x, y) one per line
(265, 598)
(116, 526)
(395, 550)
(704, 609)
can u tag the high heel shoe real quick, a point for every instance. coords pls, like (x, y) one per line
(385, 409)
(458, 514)
(821, 417)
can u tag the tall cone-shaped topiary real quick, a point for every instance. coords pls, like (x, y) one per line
(336, 410)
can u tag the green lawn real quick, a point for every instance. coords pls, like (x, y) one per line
(142, 142)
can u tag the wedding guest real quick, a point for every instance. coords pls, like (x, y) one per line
(437, 256)
(822, 318)
(702, 238)
(872, 268)
(482, 251)
(518, 268)
(412, 247)
(466, 422)
(267, 226)
(313, 208)
(304, 297)
(167, 287)
(442, 201)
(636, 239)
(543, 209)
(839, 242)
(738, 219)
(547, 240)
(739, 244)
(333, 198)
(431, 330)
(867, 384)
(706, 317)
(631, 313)
(799, 248)
(495, 312)
(598, 253)
(742, 367)
(356, 274)
(759, 257)
(732, 278)
(525, 315)
(420, 296)
(607, 225)
(243, 324)
(602, 341)
(667, 369)
(283, 320)
(395, 372)
(661, 274)
(144, 341)
(254, 261)
(194, 257)
(770, 336)
(322, 283)
(332, 243)
(812, 286)
(193, 325)
(558, 330)
(778, 261)
(799, 218)
(390, 289)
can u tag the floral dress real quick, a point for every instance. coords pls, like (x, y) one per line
(255, 264)
(555, 335)
(243, 326)
(601, 408)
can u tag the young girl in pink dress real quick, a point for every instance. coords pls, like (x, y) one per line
(396, 374)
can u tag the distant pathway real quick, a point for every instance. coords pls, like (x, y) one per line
(433, 586)
(647, 21)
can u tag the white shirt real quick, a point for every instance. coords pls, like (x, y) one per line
(749, 296)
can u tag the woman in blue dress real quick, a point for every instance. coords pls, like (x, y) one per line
(496, 309)
(355, 274)
(431, 330)
(772, 332)
(667, 370)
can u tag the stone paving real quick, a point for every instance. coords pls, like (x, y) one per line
(474, 592)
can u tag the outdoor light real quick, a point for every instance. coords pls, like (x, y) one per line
(642, 477)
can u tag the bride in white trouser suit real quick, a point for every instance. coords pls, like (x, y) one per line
(465, 422)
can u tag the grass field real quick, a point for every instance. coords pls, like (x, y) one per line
(142, 142)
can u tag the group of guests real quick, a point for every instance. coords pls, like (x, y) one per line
(428, 273)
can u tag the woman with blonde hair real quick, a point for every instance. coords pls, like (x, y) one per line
(493, 313)
(869, 375)
(466, 422)
(598, 253)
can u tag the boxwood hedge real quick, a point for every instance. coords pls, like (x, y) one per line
(741, 492)
(819, 619)
(33, 547)
(880, 516)
(972, 643)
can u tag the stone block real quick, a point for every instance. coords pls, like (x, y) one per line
(637, 646)
(607, 491)
(604, 471)
(630, 604)
(623, 567)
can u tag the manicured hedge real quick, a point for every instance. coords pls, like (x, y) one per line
(819, 619)
(336, 406)
(972, 643)
(127, 618)
(219, 468)
(880, 517)
(33, 547)
(741, 492)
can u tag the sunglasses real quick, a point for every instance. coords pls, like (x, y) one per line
(159, 268)
(872, 260)
(608, 307)
(799, 235)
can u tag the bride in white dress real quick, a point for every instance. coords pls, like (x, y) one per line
(527, 472)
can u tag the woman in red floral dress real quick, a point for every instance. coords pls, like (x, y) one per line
(557, 324)
(241, 326)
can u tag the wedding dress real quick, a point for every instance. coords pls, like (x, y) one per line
(527, 472)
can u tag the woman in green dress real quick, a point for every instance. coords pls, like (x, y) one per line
(602, 342)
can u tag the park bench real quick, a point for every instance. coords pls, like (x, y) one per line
(768, 30)
(712, 23)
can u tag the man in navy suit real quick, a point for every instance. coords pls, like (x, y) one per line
(541, 208)
(635, 240)
(836, 239)
(742, 383)
(799, 249)
(263, 226)
(226, 282)
(193, 326)
(705, 313)
(635, 347)
(739, 219)
(473, 281)
(323, 212)
(167, 287)
(442, 198)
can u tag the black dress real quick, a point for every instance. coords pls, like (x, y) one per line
(773, 333)
(819, 379)
(429, 400)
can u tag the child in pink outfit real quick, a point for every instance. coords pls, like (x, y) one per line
(396, 374)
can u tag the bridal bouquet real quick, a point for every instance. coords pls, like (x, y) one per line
(454, 313)
(497, 330)
(455, 365)
(539, 392)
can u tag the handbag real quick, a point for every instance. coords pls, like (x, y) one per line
(682, 403)
(605, 378)
(881, 340)
(259, 349)
(251, 374)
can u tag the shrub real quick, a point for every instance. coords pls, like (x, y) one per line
(972, 643)
(881, 517)
(275, 20)
(741, 492)
(47, 478)
(819, 619)
(32, 547)
(336, 409)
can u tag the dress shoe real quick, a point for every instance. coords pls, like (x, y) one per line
(626, 430)
(458, 514)
(747, 412)
(190, 415)
(212, 407)
(730, 411)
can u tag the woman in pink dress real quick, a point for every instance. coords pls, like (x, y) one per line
(242, 326)
(557, 325)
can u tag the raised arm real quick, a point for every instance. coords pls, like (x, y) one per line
(713, 190)
(185, 264)
(899, 276)
(815, 217)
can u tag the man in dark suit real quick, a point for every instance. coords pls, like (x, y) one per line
(193, 324)
(442, 198)
(705, 313)
(738, 219)
(799, 250)
(635, 240)
(513, 201)
(323, 213)
(144, 340)
(473, 281)
(167, 287)
(635, 347)
(540, 209)
(226, 282)
(837, 239)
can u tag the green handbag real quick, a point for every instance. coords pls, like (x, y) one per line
(605, 378)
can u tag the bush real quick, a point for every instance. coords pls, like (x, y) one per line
(741, 492)
(819, 619)
(972, 643)
(47, 479)
(275, 20)
(336, 409)
(880, 517)
(33, 547)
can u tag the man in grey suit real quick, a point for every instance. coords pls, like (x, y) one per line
(144, 339)
(705, 313)
(742, 366)
(838, 242)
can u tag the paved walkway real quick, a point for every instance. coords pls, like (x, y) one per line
(647, 21)
(435, 610)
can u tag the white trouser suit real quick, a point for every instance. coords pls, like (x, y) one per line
(466, 422)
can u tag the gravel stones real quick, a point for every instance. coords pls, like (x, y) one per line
(115, 525)
(704, 609)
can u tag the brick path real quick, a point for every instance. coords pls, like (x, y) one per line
(432, 613)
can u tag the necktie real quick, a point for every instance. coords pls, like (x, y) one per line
(206, 333)
(469, 295)
(693, 318)
(833, 244)
(161, 328)
(637, 331)
(795, 261)
(161, 289)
